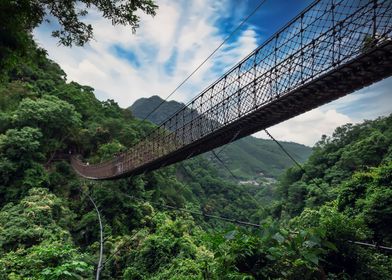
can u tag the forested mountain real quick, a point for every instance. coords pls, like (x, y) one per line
(49, 228)
(247, 158)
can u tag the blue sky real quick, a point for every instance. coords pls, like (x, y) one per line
(125, 66)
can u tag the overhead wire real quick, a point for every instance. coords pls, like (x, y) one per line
(376, 246)
(285, 151)
(120, 247)
(224, 165)
(179, 209)
(206, 59)
(295, 161)
(226, 219)
(101, 241)
(185, 210)
(238, 222)
(226, 145)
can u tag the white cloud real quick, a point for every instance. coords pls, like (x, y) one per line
(308, 127)
(187, 28)
(368, 103)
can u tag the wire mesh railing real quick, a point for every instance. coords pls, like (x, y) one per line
(325, 36)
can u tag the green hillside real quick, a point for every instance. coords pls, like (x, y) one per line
(48, 227)
(247, 158)
(145, 106)
(311, 226)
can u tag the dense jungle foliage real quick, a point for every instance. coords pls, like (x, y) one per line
(49, 228)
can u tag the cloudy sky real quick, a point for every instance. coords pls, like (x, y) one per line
(165, 49)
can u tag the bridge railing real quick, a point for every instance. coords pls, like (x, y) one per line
(327, 34)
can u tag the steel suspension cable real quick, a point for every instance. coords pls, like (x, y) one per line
(370, 245)
(238, 222)
(244, 223)
(295, 161)
(231, 141)
(120, 247)
(285, 151)
(181, 209)
(99, 265)
(205, 60)
(224, 165)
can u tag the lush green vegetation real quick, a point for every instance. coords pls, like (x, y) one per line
(49, 229)
(24, 15)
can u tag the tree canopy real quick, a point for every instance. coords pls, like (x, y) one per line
(27, 14)
(48, 225)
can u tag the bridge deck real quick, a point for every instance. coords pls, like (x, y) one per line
(298, 69)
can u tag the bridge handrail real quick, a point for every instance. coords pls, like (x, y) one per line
(324, 36)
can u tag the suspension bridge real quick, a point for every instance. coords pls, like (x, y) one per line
(331, 49)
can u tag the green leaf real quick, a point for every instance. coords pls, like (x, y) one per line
(278, 237)
(311, 257)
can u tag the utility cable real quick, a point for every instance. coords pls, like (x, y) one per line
(226, 219)
(224, 165)
(191, 176)
(232, 139)
(99, 266)
(285, 151)
(232, 174)
(238, 222)
(121, 246)
(180, 209)
(371, 245)
(241, 222)
(206, 59)
(294, 160)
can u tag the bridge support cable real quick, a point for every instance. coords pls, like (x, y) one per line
(231, 141)
(236, 178)
(101, 238)
(331, 49)
(261, 3)
(120, 247)
(242, 223)
(185, 210)
(376, 246)
(284, 150)
(224, 165)
(295, 162)
(225, 219)
(179, 209)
